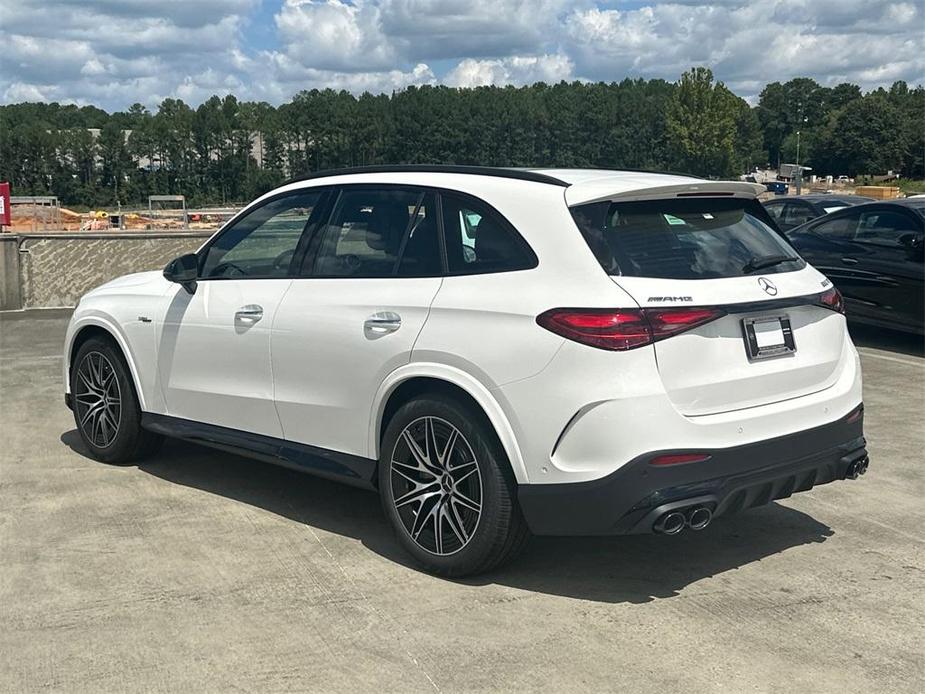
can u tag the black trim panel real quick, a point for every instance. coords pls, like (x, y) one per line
(342, 467)
(732, 478)
(498, 172)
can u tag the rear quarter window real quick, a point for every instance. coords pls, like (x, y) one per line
(684, 238)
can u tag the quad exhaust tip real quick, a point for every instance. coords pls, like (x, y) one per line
(857, 468)
(699, 518)
(673, 522)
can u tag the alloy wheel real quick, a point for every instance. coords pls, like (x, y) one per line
(436, 485)
(98, 399)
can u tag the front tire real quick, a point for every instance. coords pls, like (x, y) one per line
(447, 489)
(105, 405)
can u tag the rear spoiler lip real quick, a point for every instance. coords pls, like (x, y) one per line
(592, 191)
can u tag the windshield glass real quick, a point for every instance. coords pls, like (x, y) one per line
(684, 238)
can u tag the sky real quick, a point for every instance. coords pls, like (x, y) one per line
(112, 53)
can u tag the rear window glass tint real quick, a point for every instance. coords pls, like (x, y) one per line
(683, 238)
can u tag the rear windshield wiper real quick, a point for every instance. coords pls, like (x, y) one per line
(767, 261)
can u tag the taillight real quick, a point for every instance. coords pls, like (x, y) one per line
(622, 329)
(832, 299)
(615, 329)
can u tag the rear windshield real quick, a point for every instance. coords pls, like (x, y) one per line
(694, 238)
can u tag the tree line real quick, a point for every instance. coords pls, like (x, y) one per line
(227, 150)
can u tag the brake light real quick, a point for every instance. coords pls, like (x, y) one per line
(623, 329)
(832, 299)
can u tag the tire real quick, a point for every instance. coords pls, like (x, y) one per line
(448, 485)
(109, 426)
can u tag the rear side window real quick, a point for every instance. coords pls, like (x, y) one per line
(479, 240)
(698, 238)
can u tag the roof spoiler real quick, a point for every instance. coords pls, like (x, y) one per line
(602, 190)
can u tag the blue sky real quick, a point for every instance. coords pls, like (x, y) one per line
(115, 52)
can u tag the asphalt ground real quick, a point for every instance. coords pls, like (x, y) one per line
(202, 571)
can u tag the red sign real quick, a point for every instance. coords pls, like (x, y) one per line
(5, 204)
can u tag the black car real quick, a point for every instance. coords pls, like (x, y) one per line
(873, 253)
(791, 212)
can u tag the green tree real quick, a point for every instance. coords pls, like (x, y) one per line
(703, 124)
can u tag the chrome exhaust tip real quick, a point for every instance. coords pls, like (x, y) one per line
(671, 523)
(857, 468)
(699, 518)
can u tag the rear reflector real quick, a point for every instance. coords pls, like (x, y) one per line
(832, 299)
(623, 329)
(679, 459)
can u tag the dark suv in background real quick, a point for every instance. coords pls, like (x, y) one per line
(874, 255)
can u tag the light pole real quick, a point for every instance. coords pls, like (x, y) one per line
(799, 170)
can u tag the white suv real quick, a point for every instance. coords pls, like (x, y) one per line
(495, 351)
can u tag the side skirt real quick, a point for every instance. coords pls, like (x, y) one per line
(341, 467)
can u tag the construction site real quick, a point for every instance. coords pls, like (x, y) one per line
(44, 213)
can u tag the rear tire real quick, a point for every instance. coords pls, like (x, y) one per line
(105, 405)
(442, 459)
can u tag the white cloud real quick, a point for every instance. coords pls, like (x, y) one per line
(334, 35)
(115, 52)
(517, 70)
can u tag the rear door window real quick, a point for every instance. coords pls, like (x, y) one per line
(367, 232)
(883, 228)
(684, 238)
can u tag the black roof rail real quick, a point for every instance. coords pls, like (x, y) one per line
(519, 174)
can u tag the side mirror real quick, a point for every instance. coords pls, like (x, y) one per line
(184, 271)
(914, 243)
(911, 240)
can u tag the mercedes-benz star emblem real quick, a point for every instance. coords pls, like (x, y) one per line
(767, 285)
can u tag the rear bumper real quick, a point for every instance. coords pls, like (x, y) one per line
(631, 499)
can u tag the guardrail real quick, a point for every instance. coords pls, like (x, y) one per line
(53, 269)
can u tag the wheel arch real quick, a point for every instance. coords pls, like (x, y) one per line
(97, 326)
(406, 383)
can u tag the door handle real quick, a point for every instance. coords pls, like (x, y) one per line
(849, 261)
(382, 323)
(251, 313)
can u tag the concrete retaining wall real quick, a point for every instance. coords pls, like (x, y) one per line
(55, 269)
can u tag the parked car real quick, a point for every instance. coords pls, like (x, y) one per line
(777, 187)
(873, 254)
(793, 211)
(494, 351)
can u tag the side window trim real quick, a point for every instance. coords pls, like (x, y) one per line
(406, 234)
(203, 251)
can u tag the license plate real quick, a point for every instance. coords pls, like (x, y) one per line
(770, 336)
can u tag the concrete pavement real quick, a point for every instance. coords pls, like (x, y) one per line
(203, 571)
